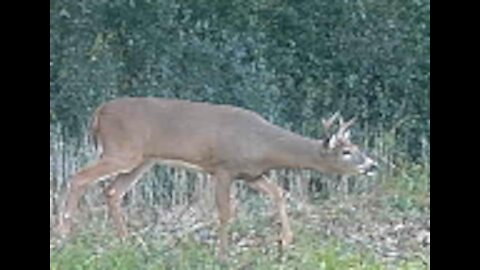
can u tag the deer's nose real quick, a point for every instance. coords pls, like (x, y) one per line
(370, 167)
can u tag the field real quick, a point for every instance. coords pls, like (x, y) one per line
(369, 223)
(292, 62)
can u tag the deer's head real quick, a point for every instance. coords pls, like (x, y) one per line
(340, 155)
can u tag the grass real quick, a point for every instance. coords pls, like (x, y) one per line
(359, 231)
(309, 252)
(409, 189)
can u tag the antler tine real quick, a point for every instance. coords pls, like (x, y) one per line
(327, 124)
(345, 125)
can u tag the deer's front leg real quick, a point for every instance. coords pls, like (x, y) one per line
(222, 199)
(275, 193)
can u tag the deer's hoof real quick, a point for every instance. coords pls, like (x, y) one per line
(286, 239)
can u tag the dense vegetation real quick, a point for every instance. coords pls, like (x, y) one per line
(291, 61)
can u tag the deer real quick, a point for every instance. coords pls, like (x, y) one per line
(229, 143)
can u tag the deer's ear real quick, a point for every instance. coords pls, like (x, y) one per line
(332, 142)
(346, 135)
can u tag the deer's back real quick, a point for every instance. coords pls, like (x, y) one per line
(200, 133)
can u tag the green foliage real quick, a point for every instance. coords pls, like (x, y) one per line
(87, 251)
(356, 232)
(291, 61)
(409, 189)
(307, 253)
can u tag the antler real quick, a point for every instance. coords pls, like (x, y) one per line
(344, 126)
(327, 124)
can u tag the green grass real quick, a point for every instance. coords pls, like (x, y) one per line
(310, 251)
(408, 189)
(404, 195)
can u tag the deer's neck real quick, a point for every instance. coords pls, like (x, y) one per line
(294, 151)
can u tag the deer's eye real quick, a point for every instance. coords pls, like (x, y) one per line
(346, 152)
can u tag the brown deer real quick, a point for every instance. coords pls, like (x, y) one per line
(224, 141)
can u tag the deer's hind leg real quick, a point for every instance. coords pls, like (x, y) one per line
(107, 166)
(118, 188)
